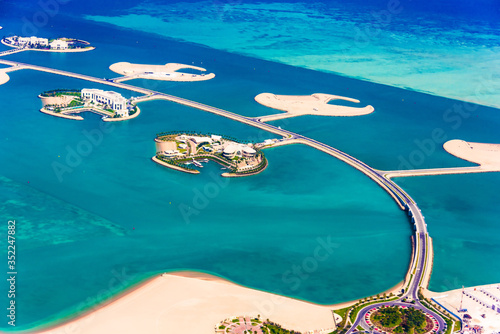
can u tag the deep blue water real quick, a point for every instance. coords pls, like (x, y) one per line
(117, 218)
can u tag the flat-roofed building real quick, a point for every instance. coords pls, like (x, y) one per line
(33, 41)
(111, 99)
(59, 44)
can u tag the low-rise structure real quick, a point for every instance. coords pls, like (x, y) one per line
(113, 100)
(59, 44)
(33, 41)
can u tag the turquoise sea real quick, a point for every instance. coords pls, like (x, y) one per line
(114, 218)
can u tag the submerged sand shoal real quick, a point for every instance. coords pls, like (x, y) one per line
(486, 155)
(190, 302)
(315, 104)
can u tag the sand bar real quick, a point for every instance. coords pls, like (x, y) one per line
(315, 104)
(485, 155)
(167, 72)
(4, 77)
(194, 303)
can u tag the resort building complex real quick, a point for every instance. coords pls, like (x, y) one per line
(45, 44)
(179, 151)
(113, 100)
(59, 44)
(25, 41)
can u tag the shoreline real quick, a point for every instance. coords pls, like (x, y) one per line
(96, 320)
(89, 48)
(162, 163)
(93, 315)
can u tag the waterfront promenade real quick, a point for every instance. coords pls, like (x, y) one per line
(421, 254)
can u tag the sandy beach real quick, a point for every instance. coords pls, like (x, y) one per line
(4, 77)
(61, 100)
(189, 302)
(167, 72)
(315, 104)
(485, 155)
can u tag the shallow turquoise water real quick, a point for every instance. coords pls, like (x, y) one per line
(116, 217)
(462, 214)
(115, 204)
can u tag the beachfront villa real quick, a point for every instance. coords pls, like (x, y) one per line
(59, 44)
(33, 41)
(181, 150)
(113, 100)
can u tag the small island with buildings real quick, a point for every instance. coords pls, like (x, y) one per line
(184, 151)
(67, 103)
(45, 44)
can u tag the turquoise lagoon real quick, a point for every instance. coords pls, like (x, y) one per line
(117, 218)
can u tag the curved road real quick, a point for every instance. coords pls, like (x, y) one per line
(422, 255)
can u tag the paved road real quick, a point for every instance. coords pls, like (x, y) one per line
(418, 266)
(361, 315)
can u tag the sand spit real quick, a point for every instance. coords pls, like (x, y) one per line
(167, 72)
(485, 155)
(194, 303)
(4, 77)
(315, 104)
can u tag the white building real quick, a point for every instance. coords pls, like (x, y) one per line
(59, 44)
(238, 150)
(33, 40)
(112, 99)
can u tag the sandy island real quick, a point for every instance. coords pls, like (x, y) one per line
(189, 302)
(315, 104)
(485, 155)
(167, 72)
(4, 77)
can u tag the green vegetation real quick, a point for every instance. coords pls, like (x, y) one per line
(408, 320)
(236, 320)
(389, 316)
(358, 306)
(59, 92)
(75, 103)
(277, 329)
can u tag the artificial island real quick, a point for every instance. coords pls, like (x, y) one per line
(221, 298)
(182, 151)
(45, 44)
(112, 106)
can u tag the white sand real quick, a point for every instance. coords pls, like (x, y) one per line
(194, 303)
(486, 155)
(167, 72)
(452, 300)
(4, 77)
(315, 104)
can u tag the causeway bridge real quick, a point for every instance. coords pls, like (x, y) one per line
(421, 261)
